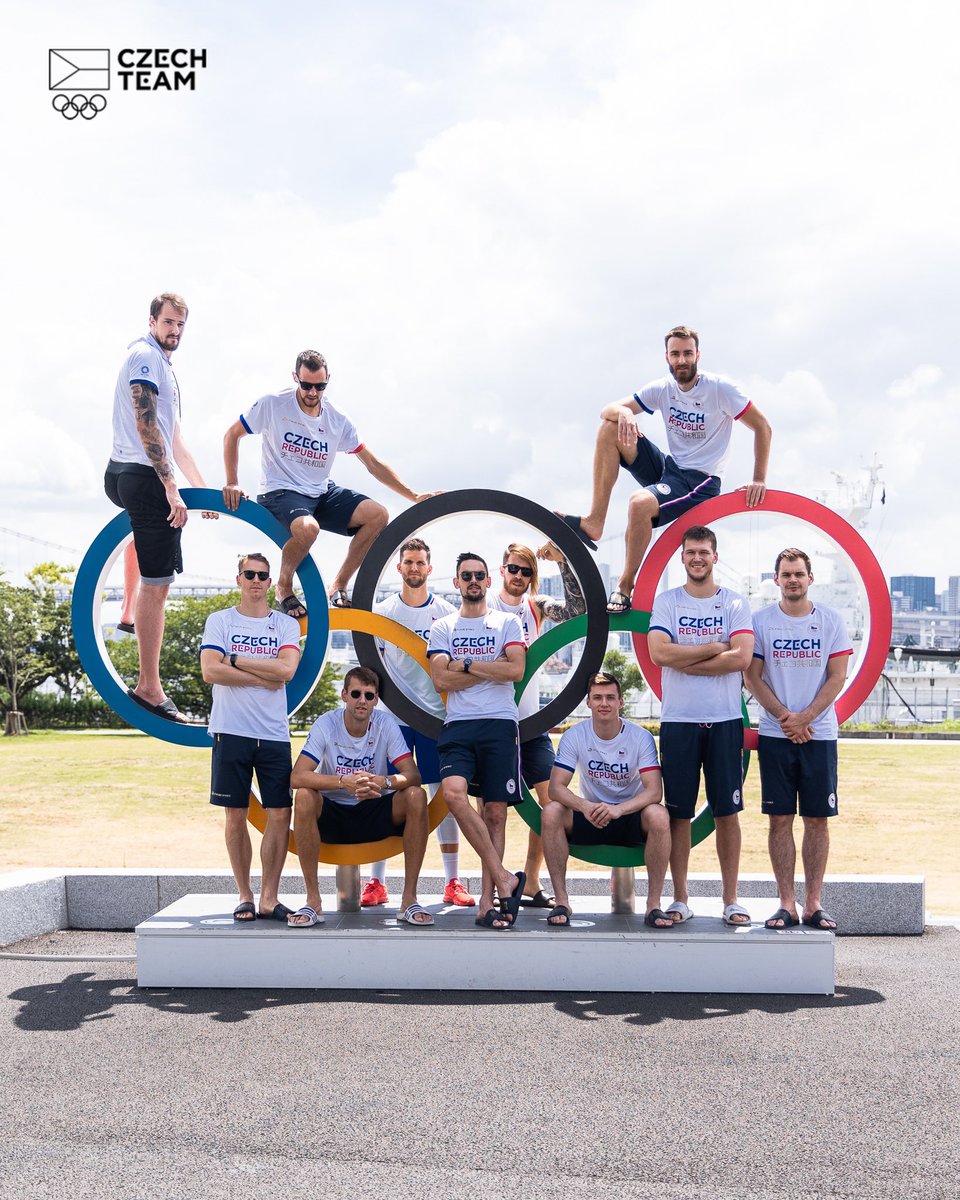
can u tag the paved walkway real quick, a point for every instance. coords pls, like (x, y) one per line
(109, 1091)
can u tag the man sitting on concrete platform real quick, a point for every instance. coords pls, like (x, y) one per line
(356, 781)
(619, 802)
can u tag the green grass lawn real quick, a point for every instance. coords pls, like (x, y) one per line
(126, 800)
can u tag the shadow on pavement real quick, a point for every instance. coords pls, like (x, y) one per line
(81, 997)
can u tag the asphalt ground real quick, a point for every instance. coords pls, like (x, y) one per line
(110, 1091)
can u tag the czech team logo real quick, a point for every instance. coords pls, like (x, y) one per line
(85, 73)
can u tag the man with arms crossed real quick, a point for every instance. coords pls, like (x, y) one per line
(699, 411)
(476, 657)
(140, 478)
(356, 781)
(798, 670)
(249, 653)
(702, 637)
(518, 595)
(416, 608)
(619, 799)
(302, 433)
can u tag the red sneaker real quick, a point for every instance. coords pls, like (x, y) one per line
(374, 894)
(456, 893)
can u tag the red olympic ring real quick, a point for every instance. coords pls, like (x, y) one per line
(820, 517)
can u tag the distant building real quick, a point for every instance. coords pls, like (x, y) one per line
(918, 592)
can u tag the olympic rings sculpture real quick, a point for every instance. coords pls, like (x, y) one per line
(69, 109)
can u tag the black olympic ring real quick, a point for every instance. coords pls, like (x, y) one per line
(88, 109)
(505, 503)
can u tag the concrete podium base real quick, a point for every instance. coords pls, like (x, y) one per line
(195, 942)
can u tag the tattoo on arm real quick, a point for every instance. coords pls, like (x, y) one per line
(573, 602)
(145, 406)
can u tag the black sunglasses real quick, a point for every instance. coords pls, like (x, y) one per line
(479, 576)
(311, 387)
(263, 576)
(355, 694)
(526, 572)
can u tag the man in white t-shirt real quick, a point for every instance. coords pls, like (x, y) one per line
(698, 411)
(799, 667)
(301, 435)
(519, 583)
(248, 654)
(416, 608)
(702, 637)
(476, 657)
(140, 478)
(356, 781)
(619, 802)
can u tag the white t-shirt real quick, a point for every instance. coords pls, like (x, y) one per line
(146, 363)
(693, 622)
(405, 672)
(484, 639)
(608, 772)
(795, 652)
(699, 421)
(256, 712)
(530, 623)
(378, 751)
(296, 451)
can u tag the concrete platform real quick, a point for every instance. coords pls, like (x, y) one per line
(195, 942)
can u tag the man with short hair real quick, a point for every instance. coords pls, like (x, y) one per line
(519, 575)
(416, 608)
(248, 654)
(140, 478)
(476, 657)
(356, 781)
(302, 432)
(699, 411)
(702, 637)
(798, 670)
(619, 802)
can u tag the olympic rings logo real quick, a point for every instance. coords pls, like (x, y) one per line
(593, 626)
(88, 106)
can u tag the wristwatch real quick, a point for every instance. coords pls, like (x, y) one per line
(467, 664)
(233, 660)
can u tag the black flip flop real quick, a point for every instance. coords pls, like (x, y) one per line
(510, 905)
(166, 708)
(245, 912)
(290, 602)
(815, 919)
(280, 913)
(559, 910)
(655, 915)
(488, 918)
(539, 899)
(783, 915)
(574, 523)
(125, 627)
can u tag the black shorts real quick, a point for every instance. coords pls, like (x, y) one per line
(675, 488)
(685, 747)
(138, 489)
(536, 760)
(624, 831)
(235, 758)
(486, 751)
(348, 824)
(332, 511)
(798, 777)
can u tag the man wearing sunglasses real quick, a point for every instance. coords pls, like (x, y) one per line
(301, 435)
(519, 575)
(248, 654)
(476, 657)
(355, 781)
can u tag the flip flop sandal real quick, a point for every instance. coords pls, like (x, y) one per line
(574, 523)
(786, 919)
(539, 899)
(815, 921)
(280, 913)
(409, 917)
(559, 910)
(735, 910)
(288, 603)
(618, 603)
(685, 912)
(489, 921)
(655, 915)
(340, 599)
(245, 912)
(316, 918)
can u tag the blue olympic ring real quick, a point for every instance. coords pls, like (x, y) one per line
(88, 636)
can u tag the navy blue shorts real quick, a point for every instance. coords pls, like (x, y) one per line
(425, 752)
(676, 490)
(235, 758)
(486, 751)
(798, 778)
(624, 831)
(138, 489)
(536, 760)
(332, 511)
(348, 824)
(685, 747)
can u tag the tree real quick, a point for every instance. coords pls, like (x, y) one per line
(627, 674)
(55, 621)
(23, 665)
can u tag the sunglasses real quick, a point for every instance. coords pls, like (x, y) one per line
(263, 576)
(310, 387)
(355, 694)
(526, 572)
(479, 576)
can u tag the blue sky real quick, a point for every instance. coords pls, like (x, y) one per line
(486, 215)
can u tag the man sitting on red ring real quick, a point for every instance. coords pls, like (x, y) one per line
(355, 781)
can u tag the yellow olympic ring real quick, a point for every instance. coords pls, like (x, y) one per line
(364, 852)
